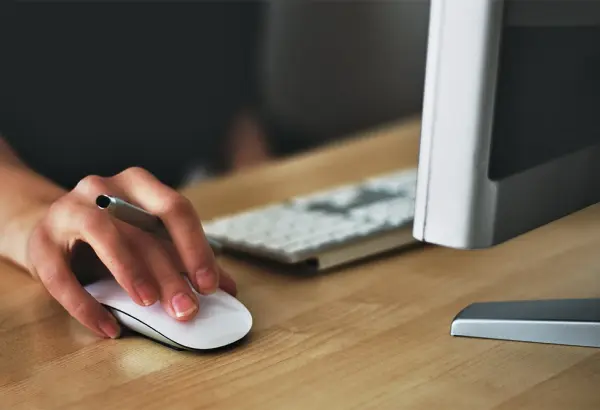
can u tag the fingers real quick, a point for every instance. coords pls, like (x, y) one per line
(148, 271)
(69, 220)
(226, 282)
(49, 264)
(181, 221)
(91, 186)
(176, 296)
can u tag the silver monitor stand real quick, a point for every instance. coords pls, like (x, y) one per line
(574, 322)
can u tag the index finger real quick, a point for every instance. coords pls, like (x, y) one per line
(180, 219)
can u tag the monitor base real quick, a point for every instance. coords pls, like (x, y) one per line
(573, 322)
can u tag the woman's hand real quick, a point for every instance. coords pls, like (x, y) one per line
(147, 268)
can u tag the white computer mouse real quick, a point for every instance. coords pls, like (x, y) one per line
(222, 319)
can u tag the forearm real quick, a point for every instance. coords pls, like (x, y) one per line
(24, 198)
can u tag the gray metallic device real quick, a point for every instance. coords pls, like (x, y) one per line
(511, 141)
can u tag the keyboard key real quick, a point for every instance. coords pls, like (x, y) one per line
(400, 183)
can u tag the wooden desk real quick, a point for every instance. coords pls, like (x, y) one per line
(371, 336)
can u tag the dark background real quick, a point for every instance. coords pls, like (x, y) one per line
(94, 88)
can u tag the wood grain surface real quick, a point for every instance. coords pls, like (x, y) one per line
(374, 335)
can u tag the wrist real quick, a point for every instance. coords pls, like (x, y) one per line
(25, 197)
(14, 236)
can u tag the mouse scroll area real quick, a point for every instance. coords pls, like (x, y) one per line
(221, 320)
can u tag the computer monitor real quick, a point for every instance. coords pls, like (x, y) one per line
(511, 141)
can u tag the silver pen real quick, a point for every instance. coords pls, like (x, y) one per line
(135, 216)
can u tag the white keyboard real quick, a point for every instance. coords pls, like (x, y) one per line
(330, 227)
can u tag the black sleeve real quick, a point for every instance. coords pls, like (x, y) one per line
(7, 115)
(107, 86)
(7, 55)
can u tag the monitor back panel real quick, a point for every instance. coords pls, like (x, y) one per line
(511, 137)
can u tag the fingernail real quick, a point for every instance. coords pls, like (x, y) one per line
(183, 305)
(145, 292)
(206, 280)
(110, 327)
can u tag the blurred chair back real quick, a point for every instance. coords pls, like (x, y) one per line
(333, 68)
